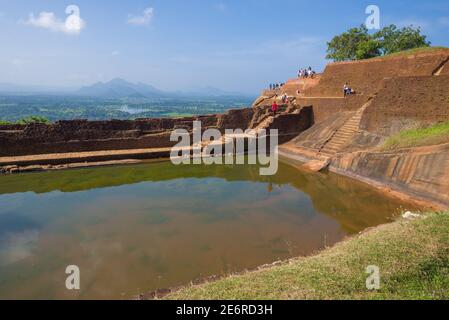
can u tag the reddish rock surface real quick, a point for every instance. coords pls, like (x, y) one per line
(393, 94)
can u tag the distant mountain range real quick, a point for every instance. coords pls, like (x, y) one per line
(11, 88)
(117, 88)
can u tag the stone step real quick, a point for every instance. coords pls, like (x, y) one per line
(344, 135)
(338, 142)
(351, 128)
(353, 123)
(346, 132)
(329, 151)
(335, 145)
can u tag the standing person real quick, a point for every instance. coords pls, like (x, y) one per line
(274, 108)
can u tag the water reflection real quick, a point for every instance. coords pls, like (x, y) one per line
(139, 228)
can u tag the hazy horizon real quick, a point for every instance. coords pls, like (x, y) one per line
(236, 46)
(12, 88)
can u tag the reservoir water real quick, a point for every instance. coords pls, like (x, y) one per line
(137, 228)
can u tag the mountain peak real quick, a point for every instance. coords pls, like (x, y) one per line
(119, 81)
(120, 88)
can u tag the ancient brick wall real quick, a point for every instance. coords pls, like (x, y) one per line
(290, 125)
(366, 76)
(408, 102)
(83, 135)
(235, 119)
(323, 108)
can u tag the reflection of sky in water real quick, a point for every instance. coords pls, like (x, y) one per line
(149, 231)
(17, 246)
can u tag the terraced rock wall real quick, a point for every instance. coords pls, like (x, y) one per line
(408, 102)
(423, 171)
(83, 135)
(366, 77)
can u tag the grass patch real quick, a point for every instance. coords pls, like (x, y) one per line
(415, 51)
(413, 257)
(435, 134)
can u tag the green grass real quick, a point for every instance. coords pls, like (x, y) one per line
(413, 257)
(435, 134)
(176, 115)
(414, 51)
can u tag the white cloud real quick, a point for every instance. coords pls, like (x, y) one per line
(143, 19)
(17, 246)
(48, 20)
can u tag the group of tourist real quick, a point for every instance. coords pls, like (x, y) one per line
(284, 98)
(275, 106)
(306, 73)
(275, 86)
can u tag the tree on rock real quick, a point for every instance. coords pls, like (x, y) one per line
(357, 43)
(396, 40)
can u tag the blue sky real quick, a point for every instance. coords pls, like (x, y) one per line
(238, 45)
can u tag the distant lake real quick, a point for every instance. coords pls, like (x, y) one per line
(134, 229)
(132, 110)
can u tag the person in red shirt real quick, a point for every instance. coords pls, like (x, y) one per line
(274, 107)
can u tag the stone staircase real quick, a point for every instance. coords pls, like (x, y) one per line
(264, 124)
(343, 136)
(263, 120)
(441, 68)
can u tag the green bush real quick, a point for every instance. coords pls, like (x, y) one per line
(27, 120)
(34, 119)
